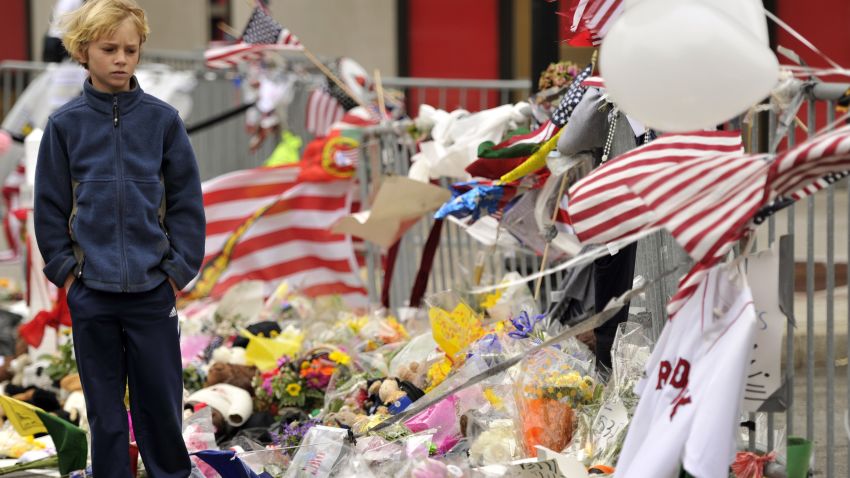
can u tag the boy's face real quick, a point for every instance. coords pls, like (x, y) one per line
(112, 60)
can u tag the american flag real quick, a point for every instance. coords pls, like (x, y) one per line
(699, 186)
(264, 224)
(594, 17)
(323, 110)
(571, 98)
(262, 33)
(812, 165)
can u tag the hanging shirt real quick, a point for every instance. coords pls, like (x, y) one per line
(691, 395)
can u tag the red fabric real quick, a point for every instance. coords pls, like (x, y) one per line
(583, 39)
(421, 282)
(749, 465)
(33, 331)
(389, 268)
(493, 168)
(318, 160)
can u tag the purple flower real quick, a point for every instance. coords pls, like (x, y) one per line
(292, 433)
(282, 361)
(524, 325)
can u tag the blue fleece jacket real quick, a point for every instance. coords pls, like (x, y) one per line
(108, 151)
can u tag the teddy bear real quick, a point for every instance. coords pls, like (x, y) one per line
(232, 374)
(413, 373)
(391, 395)
(231, 355)
(346, 417)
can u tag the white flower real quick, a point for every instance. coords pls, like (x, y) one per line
(495, 445)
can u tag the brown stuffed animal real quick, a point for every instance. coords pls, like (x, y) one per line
(236, 375)
(389, 391)
(413, 373)
(71, 383)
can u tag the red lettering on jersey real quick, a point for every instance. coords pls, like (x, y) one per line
(680, 374)
(681, 399)
(677, 377)
(664, 369)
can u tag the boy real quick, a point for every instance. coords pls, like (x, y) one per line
(121, 250)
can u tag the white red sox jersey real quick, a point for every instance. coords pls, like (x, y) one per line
(691, 395)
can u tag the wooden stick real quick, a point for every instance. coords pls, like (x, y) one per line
(228, 29)
(549, 243)
(379, 88)
(324, 69)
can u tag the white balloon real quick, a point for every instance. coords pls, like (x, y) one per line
(682, 65)
(749, 13)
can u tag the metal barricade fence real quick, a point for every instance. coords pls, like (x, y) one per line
(451, 94)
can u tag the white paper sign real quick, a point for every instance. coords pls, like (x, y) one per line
(568, 466)
(611, 419)
(763, 375)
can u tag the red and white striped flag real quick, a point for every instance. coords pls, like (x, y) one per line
(594, 17)
(812, 165)
(323, 110)
(699, 186)
(606, 206)
(264, 224)
(262, 33)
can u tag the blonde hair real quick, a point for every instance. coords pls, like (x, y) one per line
(97, 19)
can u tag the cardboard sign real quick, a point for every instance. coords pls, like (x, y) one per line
(764, 373)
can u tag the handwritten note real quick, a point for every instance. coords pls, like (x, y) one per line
(611, 419)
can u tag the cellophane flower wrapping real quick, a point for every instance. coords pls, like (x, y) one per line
(601, 429)
(550, 389)
(199, 435)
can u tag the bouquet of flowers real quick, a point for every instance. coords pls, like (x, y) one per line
(548, 393)
(602, 429)
(298, 383)
(558, 75)
(290, 435)
(284, 387)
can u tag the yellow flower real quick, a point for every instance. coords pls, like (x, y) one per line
(397, 327)
(494, 399)
(357, 323)
(438, 372)
(490, 300)
(339, 357)
(572, 379)
(293, 389)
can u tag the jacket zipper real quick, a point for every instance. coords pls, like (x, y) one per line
(120, 169)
